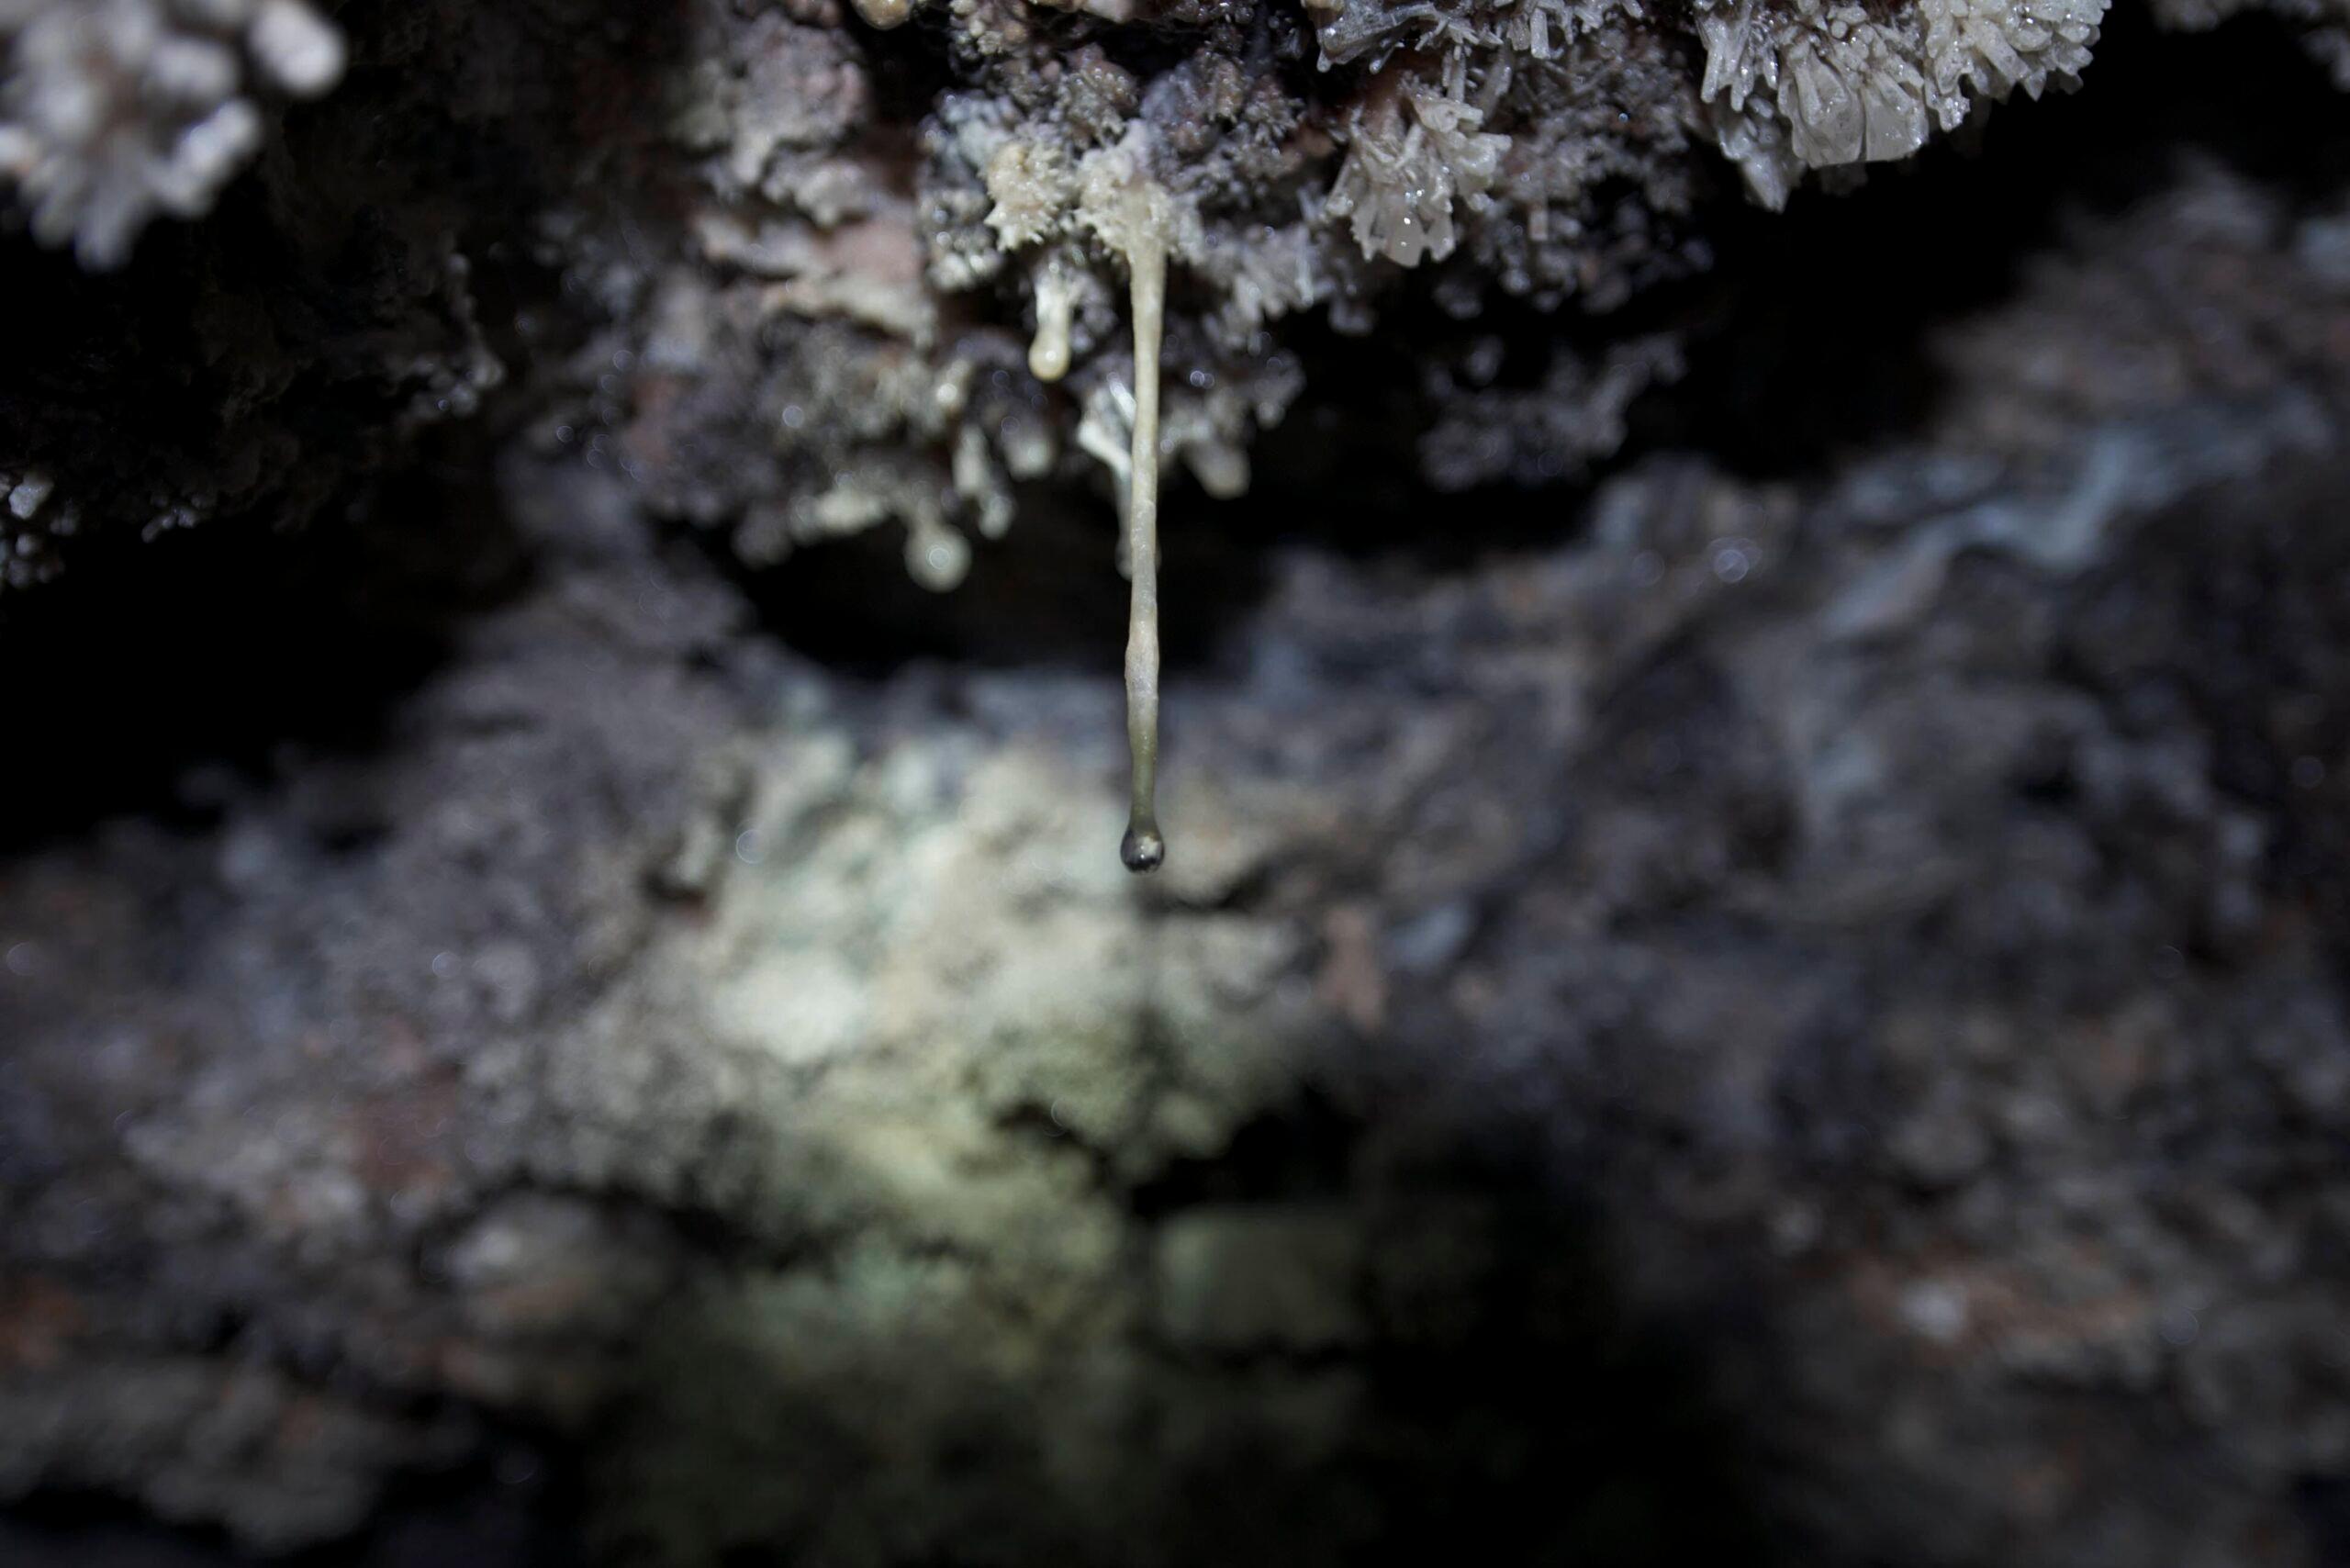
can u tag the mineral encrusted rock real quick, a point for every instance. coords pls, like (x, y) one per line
(804, 255)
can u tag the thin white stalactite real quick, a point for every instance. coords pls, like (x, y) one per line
(1144, 849)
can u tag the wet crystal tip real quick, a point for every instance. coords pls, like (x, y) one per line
(1143, 849)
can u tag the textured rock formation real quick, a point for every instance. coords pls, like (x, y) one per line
(797, 254)
(1755, 964)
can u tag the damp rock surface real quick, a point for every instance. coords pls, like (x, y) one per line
(1753, 965)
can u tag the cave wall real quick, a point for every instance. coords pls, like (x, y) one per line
(1752, 959)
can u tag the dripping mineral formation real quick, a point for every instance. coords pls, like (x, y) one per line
(1138, 228)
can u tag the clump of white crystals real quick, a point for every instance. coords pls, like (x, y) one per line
(113, 112)
(1416, 149)
(1797, 84)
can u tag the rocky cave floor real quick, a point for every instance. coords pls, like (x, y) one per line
(1784, 1002)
